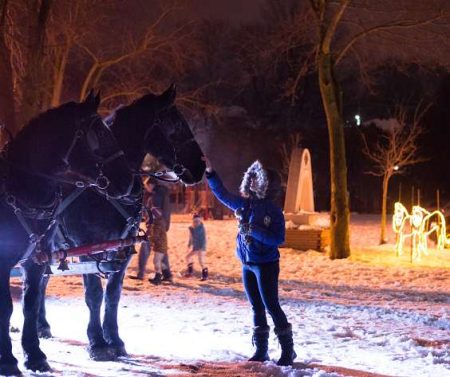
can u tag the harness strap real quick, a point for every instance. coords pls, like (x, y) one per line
(69, 200)
(76, 137)
(31, 247)
(119, 208)
(113, 157)
(24, 223)
(130, 221)
(130, 225)
(34, 239)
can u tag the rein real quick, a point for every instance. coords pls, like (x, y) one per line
(24, 212)
(81, 183)
(160, 175)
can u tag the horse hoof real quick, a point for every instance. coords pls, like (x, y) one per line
(38, 365)
(9, 370)
(102, 353)
(120, 351)
(45, 333)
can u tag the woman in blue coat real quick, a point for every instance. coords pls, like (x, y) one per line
(261, 231)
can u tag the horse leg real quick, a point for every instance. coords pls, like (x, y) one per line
(93, 293)
(35, 359)
(43, 327)
(8, 363)
(112, 298)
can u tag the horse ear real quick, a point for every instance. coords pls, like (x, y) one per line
(98, 99)
(168, 97)
(92, 101)
(90, 97)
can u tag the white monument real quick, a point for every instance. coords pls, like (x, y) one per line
(299, 202)
(299, 193)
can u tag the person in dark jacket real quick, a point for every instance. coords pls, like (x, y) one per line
(156, 197)
(261, 231)
(196, 246)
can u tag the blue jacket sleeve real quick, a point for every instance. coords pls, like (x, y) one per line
(230, 200)
(274, 234)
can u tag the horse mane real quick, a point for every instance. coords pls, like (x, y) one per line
(42, 124)
(44, 120)
(122, 112)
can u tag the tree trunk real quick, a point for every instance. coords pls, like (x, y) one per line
(386, 178)
(339, 216)
(35, 76)
(7, 106)
(59, 73)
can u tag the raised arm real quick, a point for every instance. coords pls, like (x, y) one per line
(230, 200)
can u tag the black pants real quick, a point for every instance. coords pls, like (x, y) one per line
(261, 287)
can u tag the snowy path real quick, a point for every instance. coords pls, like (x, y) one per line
(350, 318)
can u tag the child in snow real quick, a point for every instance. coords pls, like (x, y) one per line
(197, 246)
(261, 230)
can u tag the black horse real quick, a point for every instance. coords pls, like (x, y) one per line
(64, 150)
(151, 124)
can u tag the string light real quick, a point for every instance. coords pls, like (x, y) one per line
(418, 226)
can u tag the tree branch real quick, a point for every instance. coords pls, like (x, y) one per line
(331, 29)
(390, 25)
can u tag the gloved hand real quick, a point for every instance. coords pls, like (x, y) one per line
(239, 213)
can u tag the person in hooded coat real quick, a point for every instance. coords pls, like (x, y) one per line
(261, 231)
(156, 198)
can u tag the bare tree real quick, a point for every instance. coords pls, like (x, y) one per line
(328, 21)
(71, 23)
(285, 149)
(33, 88)
(397, 148)
(7, 105)
(152, 42)
(352, 37)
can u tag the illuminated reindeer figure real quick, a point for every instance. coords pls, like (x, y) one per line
(422, 225)
(400, 221)
(419, 239)
(432, 222)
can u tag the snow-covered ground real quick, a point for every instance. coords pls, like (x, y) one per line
(370, 315)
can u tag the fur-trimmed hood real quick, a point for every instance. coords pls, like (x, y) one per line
(255, 171)
(267, 181)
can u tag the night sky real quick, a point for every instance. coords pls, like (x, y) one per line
(234, 11)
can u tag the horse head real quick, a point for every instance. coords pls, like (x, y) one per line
(71, 144)
(153, 124)
(418, 215)
(400, 216)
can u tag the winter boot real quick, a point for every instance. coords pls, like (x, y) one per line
(157, 279)
(204, 274)
(260, 339)
(287, 345)
(136, 277)
(167, 276)
(190, 271)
